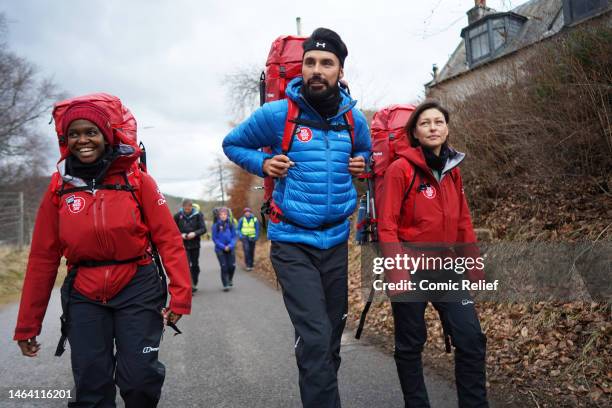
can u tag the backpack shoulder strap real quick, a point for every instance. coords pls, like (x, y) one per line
(350, 121)
(293, 112)
(412, 179)
(132, 185)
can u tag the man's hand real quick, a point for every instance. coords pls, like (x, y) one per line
(191, 235)
(184, 236)
(357, 165)
(29, 347)
(227, 248)
(277, 166)
(170, 317)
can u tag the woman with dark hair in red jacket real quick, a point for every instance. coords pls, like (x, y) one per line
(105, 216)
(423, 203)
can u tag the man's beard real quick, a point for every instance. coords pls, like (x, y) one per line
(320, 95)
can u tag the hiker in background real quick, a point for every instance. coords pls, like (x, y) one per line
(248, 231)
(105, 215)
(190, 222)
(423, 202)
(312, 200)
(224, 236)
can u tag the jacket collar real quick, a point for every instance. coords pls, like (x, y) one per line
(415, 156)
(294, 91)
(127, 156)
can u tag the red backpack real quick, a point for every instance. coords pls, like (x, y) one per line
(122, 120)
(284, 63)
(387, 134)
(123, 125)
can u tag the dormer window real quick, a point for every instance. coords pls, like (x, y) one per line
(479, 42)
(577, 10)
(488, 36)
(499, 33)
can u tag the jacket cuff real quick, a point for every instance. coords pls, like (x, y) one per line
(262, 158)
(25, 333)
(180, 308)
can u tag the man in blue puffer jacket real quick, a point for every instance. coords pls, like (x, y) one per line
(313, 198)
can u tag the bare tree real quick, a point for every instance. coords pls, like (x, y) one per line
(242, 88)
(220, 177)
(24, 98)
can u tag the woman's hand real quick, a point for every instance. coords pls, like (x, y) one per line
(191, 235)
(29, 347)
(170, 317)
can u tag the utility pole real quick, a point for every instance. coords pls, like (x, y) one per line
(298, 23)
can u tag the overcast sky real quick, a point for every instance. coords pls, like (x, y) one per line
(167, 60)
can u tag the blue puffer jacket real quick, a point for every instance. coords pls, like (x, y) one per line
(223, 234)
(318, 190)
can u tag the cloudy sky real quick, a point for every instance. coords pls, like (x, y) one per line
(167, 60)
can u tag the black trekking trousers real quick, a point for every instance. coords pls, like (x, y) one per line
(315, 291)
(461, 323)
(131, 322)
(193, 255)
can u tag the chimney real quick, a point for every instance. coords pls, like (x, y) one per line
(434, 72)
(479, 10)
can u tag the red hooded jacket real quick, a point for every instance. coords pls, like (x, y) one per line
(432, 212)
(101, 225)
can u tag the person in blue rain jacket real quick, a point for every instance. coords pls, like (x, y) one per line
(224, 236)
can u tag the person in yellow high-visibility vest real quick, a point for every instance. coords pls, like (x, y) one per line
(248, 231)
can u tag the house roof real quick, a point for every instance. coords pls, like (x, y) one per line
(544, 19)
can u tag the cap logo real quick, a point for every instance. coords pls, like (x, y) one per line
(321, 45)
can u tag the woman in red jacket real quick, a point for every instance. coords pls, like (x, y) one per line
(423, 204)
(104, 215)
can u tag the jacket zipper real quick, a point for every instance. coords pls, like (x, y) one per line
(443, 201)
(327, 154)
(95, 214)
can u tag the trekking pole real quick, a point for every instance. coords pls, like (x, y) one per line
(371, 222)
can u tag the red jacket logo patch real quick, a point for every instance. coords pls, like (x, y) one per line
(304, 134)
(75, 204)
(430, 192)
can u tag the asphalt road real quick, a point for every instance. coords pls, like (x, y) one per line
(236, 351)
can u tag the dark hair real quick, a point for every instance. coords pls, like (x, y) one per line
(412, 122)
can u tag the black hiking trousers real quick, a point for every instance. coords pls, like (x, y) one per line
(315, 290)
(193, 255)
(461, 323)
(130, 322)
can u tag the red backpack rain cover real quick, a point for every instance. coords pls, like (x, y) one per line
(387, 133)
(123, 122)
(283, 64)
